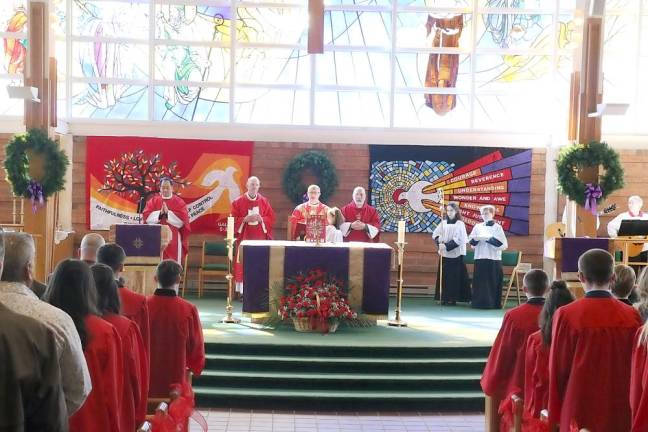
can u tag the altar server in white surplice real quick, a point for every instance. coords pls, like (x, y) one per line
(488, 240)
(451, 238)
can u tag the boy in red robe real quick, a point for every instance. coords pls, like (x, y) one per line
(504, 371)
(253, 220)
(591, 350)
(312, 207)
(362, 221)
(177, 343)
(170, 210)
(133, 305)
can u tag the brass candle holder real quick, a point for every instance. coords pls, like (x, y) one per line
(229, 319)
(397, 322)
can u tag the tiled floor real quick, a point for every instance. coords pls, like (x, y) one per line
(282, 421)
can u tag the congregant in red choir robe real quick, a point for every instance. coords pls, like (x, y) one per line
(133, 305)
(536, 359)
(177, 344)
(312, 207)
(253, 220)
(72, 290)
(504, 371)
(591, 353)
(639, 381)
(136, 369)
(170, 210)
(362, 221)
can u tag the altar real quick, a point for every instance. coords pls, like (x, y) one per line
(364, 266)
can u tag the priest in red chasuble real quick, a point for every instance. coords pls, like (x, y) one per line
(253, 220)
(312, 207)
(171, 210)
(362, 221)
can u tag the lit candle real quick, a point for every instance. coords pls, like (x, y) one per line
(401, 231)
(230, 228)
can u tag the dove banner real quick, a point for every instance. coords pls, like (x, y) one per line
(410, 182)
(123, 172)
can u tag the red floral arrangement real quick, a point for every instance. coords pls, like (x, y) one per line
(317, 296)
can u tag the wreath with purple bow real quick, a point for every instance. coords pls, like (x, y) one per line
(576, 157)
(16, 164)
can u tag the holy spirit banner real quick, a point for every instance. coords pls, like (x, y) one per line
(410, 182)
(123, 172)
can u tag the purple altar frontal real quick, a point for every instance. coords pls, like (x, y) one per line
(266, 263)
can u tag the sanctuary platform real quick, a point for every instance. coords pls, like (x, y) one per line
(434, 364)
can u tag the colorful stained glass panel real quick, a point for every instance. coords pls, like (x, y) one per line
(110, 19)
(513, 73)
(412, 110)
(354, 69)
(187, 103)
(272, 66)
(191, 63)
(272, 25)
(357, 28)
(515, 31)
(110, 60)
(193, 23)
(433, 30)
(109, 102)
(412, 69)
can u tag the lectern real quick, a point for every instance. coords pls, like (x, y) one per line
(143, 245)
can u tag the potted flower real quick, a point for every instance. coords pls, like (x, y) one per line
(315, 301)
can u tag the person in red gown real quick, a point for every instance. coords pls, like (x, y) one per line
(177, 344)
(168, 209)
(504, 371)
(72, 290)
(639, 381)
(591, 352)
(253, 220)
(536, 360)
(136, 368)
(312, 207)
(133, 305)
(362, 220)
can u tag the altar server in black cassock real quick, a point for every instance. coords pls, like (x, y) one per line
(450, 235)
(489, 241)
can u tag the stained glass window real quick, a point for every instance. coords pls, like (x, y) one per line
(386, 63)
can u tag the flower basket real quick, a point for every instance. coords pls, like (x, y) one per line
(306, 325)
(315, 301)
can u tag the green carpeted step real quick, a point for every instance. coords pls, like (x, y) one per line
(344, 364)
(334, 381)
(345, 399)
(315, 350)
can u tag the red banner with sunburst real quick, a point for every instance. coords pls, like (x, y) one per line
(123, 172)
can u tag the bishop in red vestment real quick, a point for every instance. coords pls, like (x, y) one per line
(177, 344)
(312, 207)
(253, 220)
(591, 353)
(362, 221)
(171, 210)
(103, 352)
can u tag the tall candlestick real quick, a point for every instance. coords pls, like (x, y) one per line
(230, 228)
(401, 231)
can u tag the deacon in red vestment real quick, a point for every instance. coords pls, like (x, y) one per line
(135, 360)
(504, 371)
(312, 207)
(362, 221)
(591, 353)
(177, 344)
(169, 209)
(133, 305)
(639, 381)
(253, 220)
(103, 352)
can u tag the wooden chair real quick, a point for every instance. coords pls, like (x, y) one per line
(511, 259)
(491, 414)
(145, 427)
(216, 249)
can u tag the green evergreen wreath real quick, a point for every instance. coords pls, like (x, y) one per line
(578, 156)
(321, 166)
(16, 165)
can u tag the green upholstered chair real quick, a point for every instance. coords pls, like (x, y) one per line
(510, 261)
(213, 263)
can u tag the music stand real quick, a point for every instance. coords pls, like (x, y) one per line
(633, 228)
